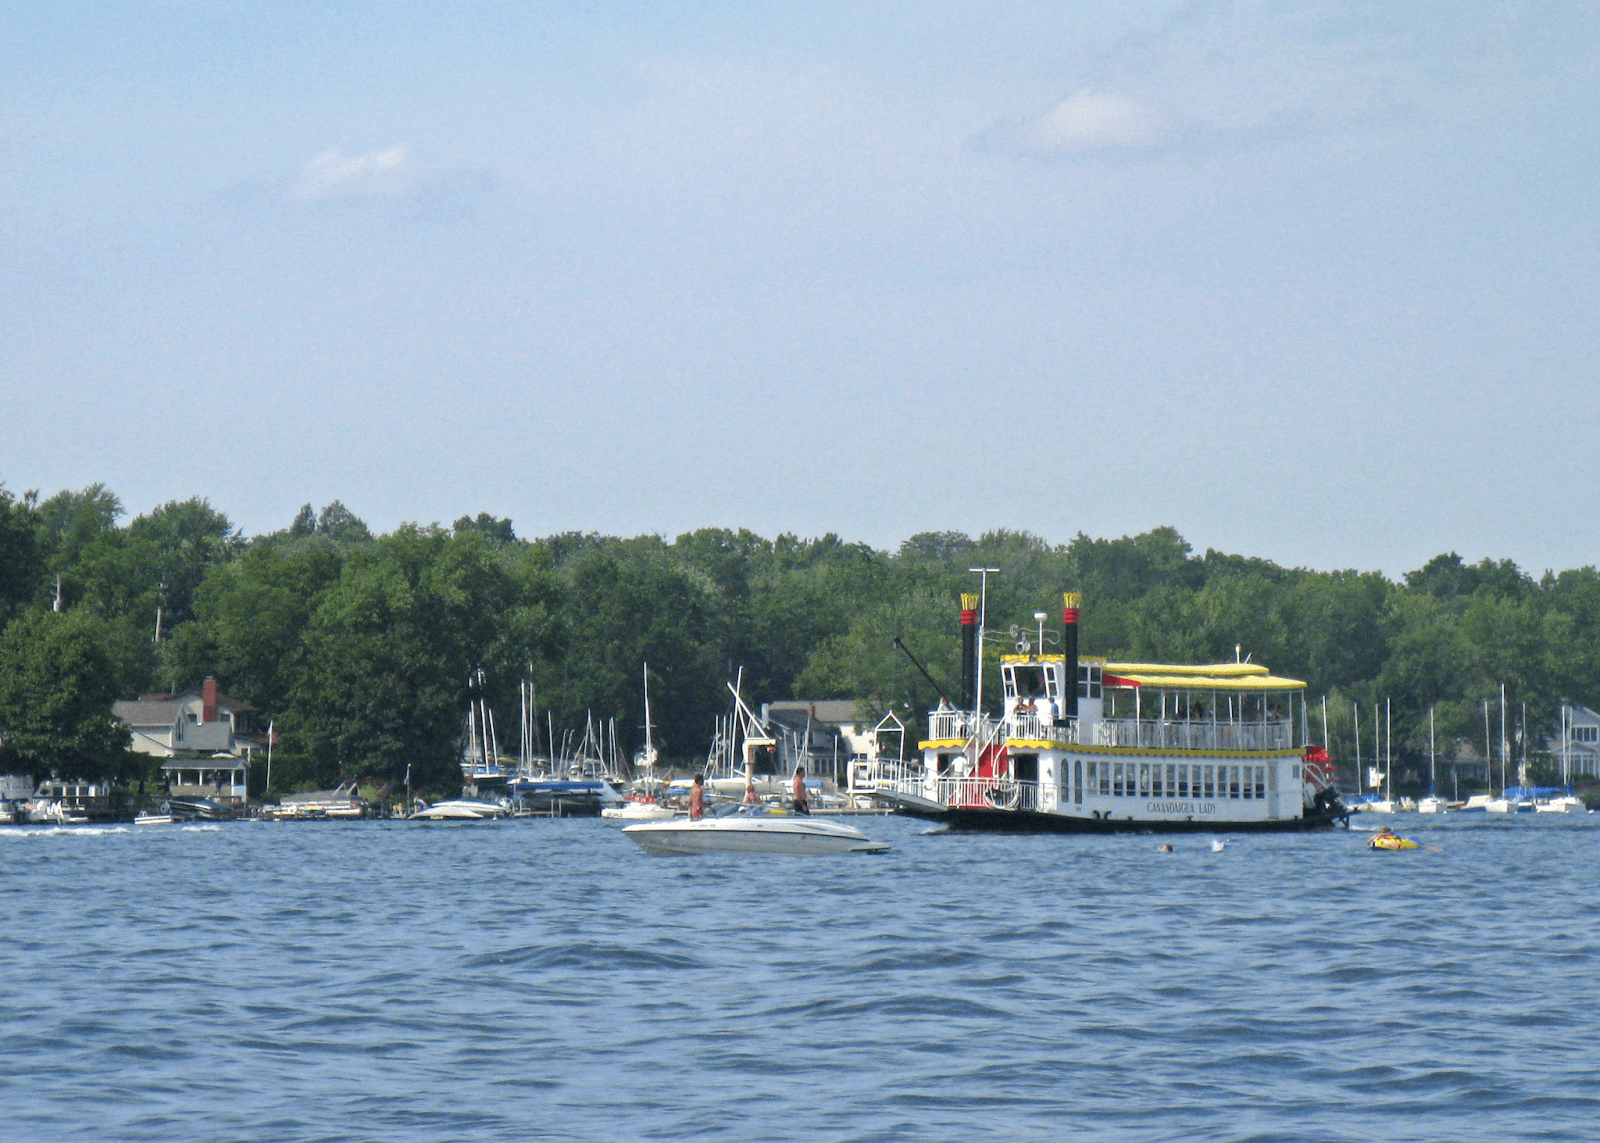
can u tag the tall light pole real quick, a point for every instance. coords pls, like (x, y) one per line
(983, 604)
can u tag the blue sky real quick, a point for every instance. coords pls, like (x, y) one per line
(1308, 280)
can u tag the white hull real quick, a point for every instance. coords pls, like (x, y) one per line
(736, 833)
(1385, 807)
(460, 810)
(1431, 806)
(639, 812)
(1567, 805)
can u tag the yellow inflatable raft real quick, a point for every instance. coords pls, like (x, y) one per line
(1392, 842)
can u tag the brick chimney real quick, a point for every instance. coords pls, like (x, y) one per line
(208, 700)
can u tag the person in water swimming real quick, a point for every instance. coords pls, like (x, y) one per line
(697, 798)
(802, 804)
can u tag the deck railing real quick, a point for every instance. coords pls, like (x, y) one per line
(988, 793)
(963, 724)
(1149, 733)
(1159, 734)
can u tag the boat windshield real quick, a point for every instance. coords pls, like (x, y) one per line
(745, 810)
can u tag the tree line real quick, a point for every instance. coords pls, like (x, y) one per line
(362, 649)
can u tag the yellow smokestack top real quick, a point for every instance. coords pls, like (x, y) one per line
(968, 602)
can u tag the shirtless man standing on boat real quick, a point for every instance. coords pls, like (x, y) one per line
(802, 804)
(697, 798)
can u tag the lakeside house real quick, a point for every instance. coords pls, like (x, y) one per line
(828, 732)
(207, 738)
(1583, 741)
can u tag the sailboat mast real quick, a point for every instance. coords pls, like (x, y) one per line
(1388, 765)
(1502, 740)
(1488, 751)
(1432, 777)
(1355, 713)
(649, 741)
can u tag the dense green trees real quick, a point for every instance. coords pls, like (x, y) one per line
(362, 649)
(58, 678)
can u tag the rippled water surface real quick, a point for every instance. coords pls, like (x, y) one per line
(548, 980)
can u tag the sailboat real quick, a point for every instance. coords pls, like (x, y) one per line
(1568, 802)
(1385, 804)
(1432, 804)
(1502, 804)
(649, 806)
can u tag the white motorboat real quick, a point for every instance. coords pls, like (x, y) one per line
(149, 817)
(751, 829)
(460, 810)
(1431, 805)
(1565, 804)
(1498, 806)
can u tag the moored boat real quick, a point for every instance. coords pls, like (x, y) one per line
(639, 810)
(1083, 745)
(461, 810)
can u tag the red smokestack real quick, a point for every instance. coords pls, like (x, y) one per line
(208, 700)
(969, 640)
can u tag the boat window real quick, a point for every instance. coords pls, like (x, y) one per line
(1029, 681)
(1009, 679)
(1025, 767)
(1077, 781)
(1116, 779)
(1088, 680)
(1233, 781)
(1208, 776)
(1247, 788)
(1144, 779)
(1052, 681)
(1183, 781)
(1261, 781)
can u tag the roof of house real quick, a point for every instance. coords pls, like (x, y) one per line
(821, 710)
(193, 693)
(148, 710)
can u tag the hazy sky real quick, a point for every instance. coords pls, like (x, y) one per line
(1309, 280)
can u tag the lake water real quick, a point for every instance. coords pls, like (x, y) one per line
(548, 980)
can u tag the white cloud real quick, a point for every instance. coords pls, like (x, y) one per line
(333, 174)
(1092, 120)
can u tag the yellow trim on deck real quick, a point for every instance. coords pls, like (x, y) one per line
(1083, 660)
(1172, 752)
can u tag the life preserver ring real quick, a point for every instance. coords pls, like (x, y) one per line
(1004, 795)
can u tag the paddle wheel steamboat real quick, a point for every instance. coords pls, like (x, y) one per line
(1084, 745)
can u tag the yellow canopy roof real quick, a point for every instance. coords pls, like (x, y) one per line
(1206, 677)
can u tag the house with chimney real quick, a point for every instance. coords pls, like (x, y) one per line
(821, 734)
(207, 738)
